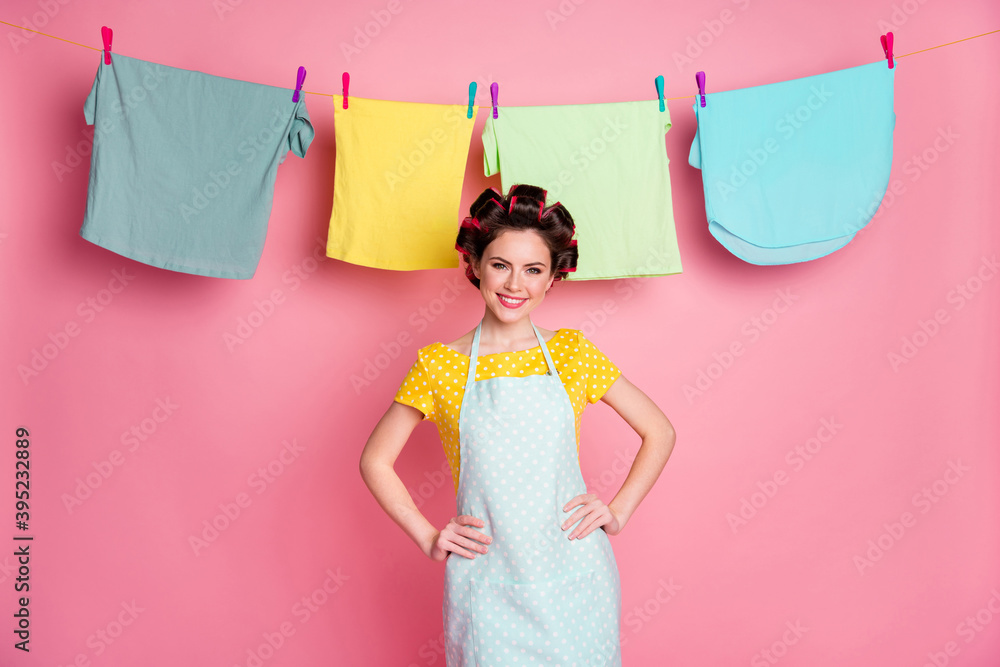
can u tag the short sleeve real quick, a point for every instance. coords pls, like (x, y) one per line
(601, 372)
(416, 390)
(90, 106)
(301, 134)
(491, 152)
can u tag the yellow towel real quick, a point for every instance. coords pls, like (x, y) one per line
(398, 183)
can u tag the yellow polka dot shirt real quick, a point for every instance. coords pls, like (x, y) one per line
(435, 383)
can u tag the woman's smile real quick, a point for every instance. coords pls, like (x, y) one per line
(510, 301)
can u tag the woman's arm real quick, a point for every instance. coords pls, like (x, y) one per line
(658, 437)
(377, 460)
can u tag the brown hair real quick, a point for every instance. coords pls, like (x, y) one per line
(523, 208)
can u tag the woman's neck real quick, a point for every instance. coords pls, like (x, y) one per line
(506, 336)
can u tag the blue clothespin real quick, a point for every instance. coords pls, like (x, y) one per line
(298, 83)
(494, 89)
(659, 92)
(472, 97)
(700, 79)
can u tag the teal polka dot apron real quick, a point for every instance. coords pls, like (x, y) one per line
(536, 597)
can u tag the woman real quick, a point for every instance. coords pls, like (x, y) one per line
(528, 577)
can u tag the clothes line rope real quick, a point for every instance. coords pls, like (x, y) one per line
(490, 106)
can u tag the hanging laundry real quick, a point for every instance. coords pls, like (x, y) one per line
(607, 163)
(184, 163)
(793, 170)
(398, 183)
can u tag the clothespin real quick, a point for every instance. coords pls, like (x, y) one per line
(659, 92)
(700, 79)
(887, 47)
(106, 34)
(347, 82)
(298, 83)
(472, 97)
(494, 89)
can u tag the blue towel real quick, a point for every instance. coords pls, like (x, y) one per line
(184, 164)
(791, 170)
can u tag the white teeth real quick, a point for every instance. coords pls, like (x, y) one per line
(507, 300)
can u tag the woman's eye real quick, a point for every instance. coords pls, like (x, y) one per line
(535, 270)
(499, 265)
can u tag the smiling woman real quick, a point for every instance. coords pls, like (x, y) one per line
(528, 575)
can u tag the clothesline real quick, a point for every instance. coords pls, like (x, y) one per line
(489, 106)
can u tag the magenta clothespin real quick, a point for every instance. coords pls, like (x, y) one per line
(472, 97)
(347, 82)
(659, 91)
(106, 34)
(298, 83)
(700, 79)
(494, 89)
(887, 47)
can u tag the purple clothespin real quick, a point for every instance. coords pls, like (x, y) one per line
(494, 89)
(887, 47)
(700, 79)
(347, 82)
(106, 34)
(298, 83)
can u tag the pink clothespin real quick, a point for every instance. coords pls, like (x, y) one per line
(347, 82)
(106, 34)
(494, 90)
(298, 83)
(700, 79)
(887, 47)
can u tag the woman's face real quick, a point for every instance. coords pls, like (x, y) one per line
(518, 265)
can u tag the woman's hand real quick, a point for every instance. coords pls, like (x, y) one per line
(595, 514)
(457, 536)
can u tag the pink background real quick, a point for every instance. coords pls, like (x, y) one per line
(696, 590)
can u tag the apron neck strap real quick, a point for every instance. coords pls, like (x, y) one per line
(473, 357)
(474, 354)
(545, 350)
